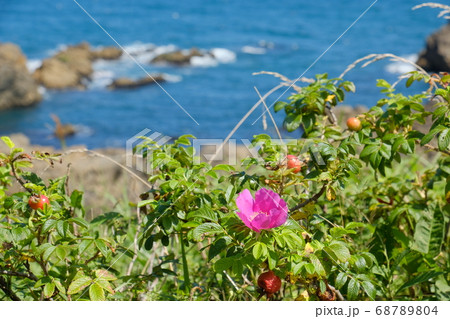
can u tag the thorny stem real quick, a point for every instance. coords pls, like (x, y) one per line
(18, 274)
(309, 200)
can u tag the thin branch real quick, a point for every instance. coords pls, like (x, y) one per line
(371, 58)
(286, 80)
(21, 182)
(435, 5)
(18, 274)
(431, 147)
(309, 200)
(7, 290)
(270, 115)
(337, 292)
(242, 121)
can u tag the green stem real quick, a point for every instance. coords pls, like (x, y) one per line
(187, 282)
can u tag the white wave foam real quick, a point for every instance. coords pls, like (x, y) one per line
(33, 64)
(253, 50)
(172, 78)
(101, 79)
(399, 67)
(203, 61)
(223, 55)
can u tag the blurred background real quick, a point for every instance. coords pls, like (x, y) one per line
(217, 45)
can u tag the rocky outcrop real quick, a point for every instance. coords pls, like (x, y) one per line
(436, 56)
(71, 67)
(108, 53)
(181, 57)
(57, 75)
(126, 83)
(17, 87)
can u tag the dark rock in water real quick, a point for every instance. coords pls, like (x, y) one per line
(436, 56)
(57, 75)
(179, 58)
(68, 68)
(126, 83)
(17, 87)
(108, 53)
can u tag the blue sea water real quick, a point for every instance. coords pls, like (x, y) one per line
(285, 36)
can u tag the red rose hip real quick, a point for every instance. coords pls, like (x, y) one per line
(294, 163)
(38, 202)
(354, 124)
(269, 282)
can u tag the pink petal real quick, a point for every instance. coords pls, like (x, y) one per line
(266, 199)
(245, 202)
(278, 217)
(247, 221)
(261, 221)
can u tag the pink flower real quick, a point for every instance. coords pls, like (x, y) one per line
(267, 210)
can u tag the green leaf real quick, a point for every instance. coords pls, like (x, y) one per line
(218, 246)
(292, 122)
(102, 247)
(444, 140)
(259, 250)
(8, 142)
(105, 285)
(279, 106)
(205, 212)
(341, 279)
(96, 292)
(48, 252)
(423, 277)
(48, 225)
(317, 265)
(352, 289)
(104, 275)
(84, 244)
(49, 289)
(370, 290)
(369, 149)
(338, 250)
(62, 228)
(79, 284)
(223, 264)
(79, 221)
(207, 228)
(429, 232)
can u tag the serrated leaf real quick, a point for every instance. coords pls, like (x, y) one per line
(223, 264)
(423, 277)
(104, 275)
(369, 149)
(207, 228)
(259, 250)
(79, 284)
(352, 289)
(341, 279)
(444, 140)
(84, 244)
(48, 252)
(48, 225)
(205, 212)
(79, 221)
(339, 250)
(317, 266)
(100, 244)
(96, 292)
(49, 289)
(370, 290)
(429, 232)
(105, 285)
